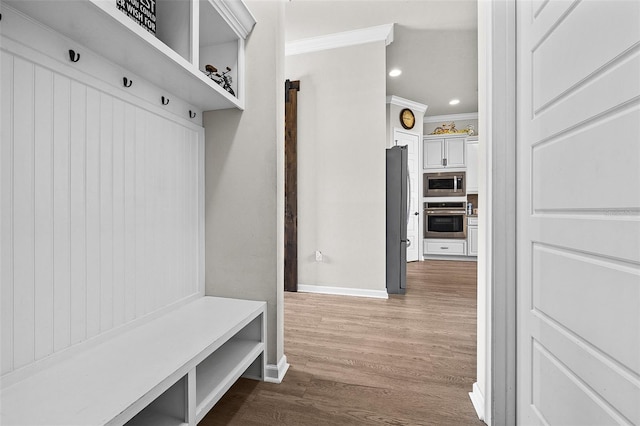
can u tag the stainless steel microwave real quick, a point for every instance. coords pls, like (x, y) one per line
(444, 184)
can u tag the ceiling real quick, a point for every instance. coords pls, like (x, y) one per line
(435, 44)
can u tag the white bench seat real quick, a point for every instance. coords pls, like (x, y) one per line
(188, 357)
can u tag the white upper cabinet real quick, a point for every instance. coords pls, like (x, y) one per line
(455, 152)
(444, 152)
(433, 153)
(189, 34)
(472, 165)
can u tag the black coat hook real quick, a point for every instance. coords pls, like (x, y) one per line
(75, 57)
(165, 101)
(127, 82)
(192, 114)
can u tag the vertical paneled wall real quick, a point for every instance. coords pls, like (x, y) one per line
(99, 215)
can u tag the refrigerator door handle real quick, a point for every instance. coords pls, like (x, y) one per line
(408, 195)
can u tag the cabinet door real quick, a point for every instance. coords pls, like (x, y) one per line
(433, 153)
(472, 167)
(472, 241)
(455, 152)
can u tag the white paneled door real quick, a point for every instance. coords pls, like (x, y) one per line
(578, 279)
(412, 141)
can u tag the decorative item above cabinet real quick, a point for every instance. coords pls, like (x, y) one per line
(188, 35)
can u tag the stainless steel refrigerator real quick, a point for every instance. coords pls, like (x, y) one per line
(397, 219)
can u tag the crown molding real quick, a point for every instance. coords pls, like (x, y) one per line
(237, 15)
(451, 117)
(344, 39)
(406, 103)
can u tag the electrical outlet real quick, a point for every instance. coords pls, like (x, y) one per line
(318, 256)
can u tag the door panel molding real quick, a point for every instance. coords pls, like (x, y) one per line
(578, 307)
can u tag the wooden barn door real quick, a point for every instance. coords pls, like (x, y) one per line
(291, 89)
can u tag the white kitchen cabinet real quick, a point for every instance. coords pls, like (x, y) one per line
(472, 165)
(189, 35)
(472, 236)
(445, 247)
(444, 152)
(433, 153)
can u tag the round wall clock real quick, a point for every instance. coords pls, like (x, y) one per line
(407, 119)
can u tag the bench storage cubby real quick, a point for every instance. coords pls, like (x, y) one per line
(168, 371)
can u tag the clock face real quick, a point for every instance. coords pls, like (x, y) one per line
(407, 119)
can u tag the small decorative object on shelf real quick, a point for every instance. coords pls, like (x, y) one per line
(451, 129)
(223, 79)
(470, 130)
(141, 11)
(445, 128)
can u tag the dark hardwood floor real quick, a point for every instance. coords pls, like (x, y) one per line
(408, 360)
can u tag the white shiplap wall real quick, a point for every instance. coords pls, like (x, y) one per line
(100, 210)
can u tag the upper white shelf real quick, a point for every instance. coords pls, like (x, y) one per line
(101, 27)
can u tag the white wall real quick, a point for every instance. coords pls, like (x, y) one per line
(100, 208)
(341, 166)
(496, 244)
(484, 193)
(243, 186)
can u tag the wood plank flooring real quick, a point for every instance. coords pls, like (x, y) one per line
(408, 360)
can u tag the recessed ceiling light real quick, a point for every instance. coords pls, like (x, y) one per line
(454, 101)
(395, 72)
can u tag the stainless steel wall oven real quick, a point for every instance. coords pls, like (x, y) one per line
(445, 220)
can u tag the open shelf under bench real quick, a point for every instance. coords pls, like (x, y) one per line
(152, 374)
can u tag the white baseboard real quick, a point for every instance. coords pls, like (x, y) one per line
(275, 373)
(343, 291)
(460, 258)
(477, 399)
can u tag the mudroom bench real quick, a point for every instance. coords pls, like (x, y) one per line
(167, 371)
